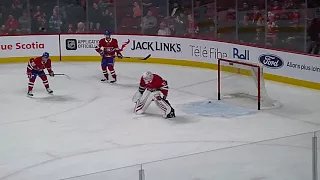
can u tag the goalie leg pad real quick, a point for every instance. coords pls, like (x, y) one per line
(162, 104)
(144, 102)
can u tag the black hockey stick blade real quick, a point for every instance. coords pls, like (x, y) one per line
(147, 57)
(61, 74)
(140, 58)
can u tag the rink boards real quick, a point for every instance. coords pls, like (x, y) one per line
(291, 68)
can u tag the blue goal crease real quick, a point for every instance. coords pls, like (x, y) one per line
(215, 109)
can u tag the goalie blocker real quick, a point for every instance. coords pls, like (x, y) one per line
(152, 88)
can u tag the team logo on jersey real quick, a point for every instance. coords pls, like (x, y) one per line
(71, 44)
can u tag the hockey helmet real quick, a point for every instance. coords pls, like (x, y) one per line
(147, 77)
(45, 56)
(107, 33)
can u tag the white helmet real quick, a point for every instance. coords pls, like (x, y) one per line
(147, 77)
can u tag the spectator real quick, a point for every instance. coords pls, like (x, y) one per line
(55, 22)
(95, 14)
(91, 27)
(180, 24)
(256, 14)
(199, 10)
(3, 30)
(108, 20)
(146, 4)
(17, 8)
(271, 29)
(2, 14)
(11, 24)
(15, 11)
(211, 34)
(294, 18)
(259, 38)
(18, 31)
(246, 21)
(172, 29)
(244, 7)
(41, 25)
(137, 12)
(149, 23)
(314, 34)
(176, 10)
(110, 2)
(70, 28)
(103, 5)
(37, 13)
(80, 28)
(164, 30)
(98, 29)
(24, 23)
(290, 4)
(231, 14)
(192, 28)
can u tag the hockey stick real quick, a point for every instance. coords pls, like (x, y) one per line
(139, 58)
(61, 74)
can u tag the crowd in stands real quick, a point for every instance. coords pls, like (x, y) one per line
(246, 21)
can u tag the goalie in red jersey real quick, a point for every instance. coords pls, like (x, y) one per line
(107, 48)
(153, 88)
(36, 68)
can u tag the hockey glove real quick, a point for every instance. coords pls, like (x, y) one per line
(136, 97)
(51, 74)
(29, 75)
(120, 56)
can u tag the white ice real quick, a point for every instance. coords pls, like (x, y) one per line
(88, 126)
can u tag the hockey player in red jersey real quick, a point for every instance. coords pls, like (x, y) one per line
(36, 68)
(153, 88)
(107, 48)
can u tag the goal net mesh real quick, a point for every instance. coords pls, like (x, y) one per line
(239, 80)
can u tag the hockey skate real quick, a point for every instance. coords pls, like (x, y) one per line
(29, 93)
(113, 81)
(171, 114)
(106, 78)
(49, 91)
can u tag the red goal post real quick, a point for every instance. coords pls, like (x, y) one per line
(249, 76)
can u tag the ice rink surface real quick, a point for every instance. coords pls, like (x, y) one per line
(88, 126)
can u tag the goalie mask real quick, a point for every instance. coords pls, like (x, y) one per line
(147, 77)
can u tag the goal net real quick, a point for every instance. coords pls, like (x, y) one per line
(243, 81)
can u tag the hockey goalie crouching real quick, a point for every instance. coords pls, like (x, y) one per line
(152, 88)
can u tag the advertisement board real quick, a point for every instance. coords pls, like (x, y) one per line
(280, 63)
(21, 46)
(79, 46)
(275, 62)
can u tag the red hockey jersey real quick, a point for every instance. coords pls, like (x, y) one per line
(108, 48)
(37, 64)
(157, 84)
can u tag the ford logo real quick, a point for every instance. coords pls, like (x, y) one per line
(271, 61)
